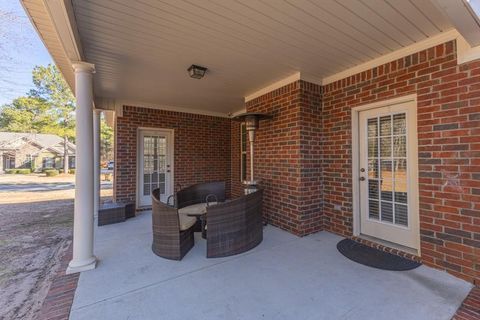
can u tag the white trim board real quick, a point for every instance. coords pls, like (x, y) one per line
(416, 47)
(278, 84)
(62, 16)
(452, 34)
(283, 82)
(466, 53)
(119, 104)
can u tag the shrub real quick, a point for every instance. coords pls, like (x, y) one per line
(46, 169)
(10, 171)
(23, 171)
(71, 171)
(51, 172)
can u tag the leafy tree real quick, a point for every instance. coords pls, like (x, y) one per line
(26, 114)
(52, 88)
(106, 141)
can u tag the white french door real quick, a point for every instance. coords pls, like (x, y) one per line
(388, 174)
(155, 165)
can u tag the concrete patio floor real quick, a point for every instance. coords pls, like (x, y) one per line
(285, 277)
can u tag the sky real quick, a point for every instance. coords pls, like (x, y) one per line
(20, 51)
(475, 4)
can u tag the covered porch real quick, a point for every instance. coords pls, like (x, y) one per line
(285, 277)
(372, 134)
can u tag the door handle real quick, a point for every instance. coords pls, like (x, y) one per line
(362, 178)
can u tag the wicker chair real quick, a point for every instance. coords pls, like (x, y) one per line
(235, 226)
(172, 233)
(198, 193)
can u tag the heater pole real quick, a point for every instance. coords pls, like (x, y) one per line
(251, 138)
(251, 121)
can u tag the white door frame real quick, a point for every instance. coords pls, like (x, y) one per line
(170, 158)
(356, 169)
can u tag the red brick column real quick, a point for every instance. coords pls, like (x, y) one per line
(288, 156)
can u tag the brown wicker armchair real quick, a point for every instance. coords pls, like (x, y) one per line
(172, 233)
(235, 226)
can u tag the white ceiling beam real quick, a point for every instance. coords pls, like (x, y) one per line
(462, 16)
(63, 18)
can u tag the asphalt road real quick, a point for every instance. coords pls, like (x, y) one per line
(40, 187)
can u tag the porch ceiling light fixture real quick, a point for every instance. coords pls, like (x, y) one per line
(196, 72)
(251, 120)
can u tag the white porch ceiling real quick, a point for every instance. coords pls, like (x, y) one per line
(142, 48)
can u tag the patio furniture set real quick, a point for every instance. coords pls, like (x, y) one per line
(230, 226)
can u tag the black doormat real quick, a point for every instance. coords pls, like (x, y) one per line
(373, 257)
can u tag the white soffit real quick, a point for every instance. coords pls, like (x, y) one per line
(40, 18)
(141, 49)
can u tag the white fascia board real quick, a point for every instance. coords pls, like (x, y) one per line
(462, 16)
(465, 53)
(63, 18)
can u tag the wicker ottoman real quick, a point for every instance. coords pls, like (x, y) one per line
(111, 213)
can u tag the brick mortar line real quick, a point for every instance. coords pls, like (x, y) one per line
(59, 299)
(470, 307)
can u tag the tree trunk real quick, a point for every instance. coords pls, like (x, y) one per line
(65, 155)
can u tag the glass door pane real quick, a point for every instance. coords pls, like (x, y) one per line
(154, 164)
(387, 169)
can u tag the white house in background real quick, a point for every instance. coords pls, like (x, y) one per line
(34, 151)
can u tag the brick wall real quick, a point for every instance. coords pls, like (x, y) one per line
(202, 147)
(448, 114)
(288, 158)
(303, 155)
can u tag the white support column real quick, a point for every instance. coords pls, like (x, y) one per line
(83, 258)
(96, 161)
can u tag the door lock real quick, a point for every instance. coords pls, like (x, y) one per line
(362, 178)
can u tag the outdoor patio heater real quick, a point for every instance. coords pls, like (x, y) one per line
(251, 120)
